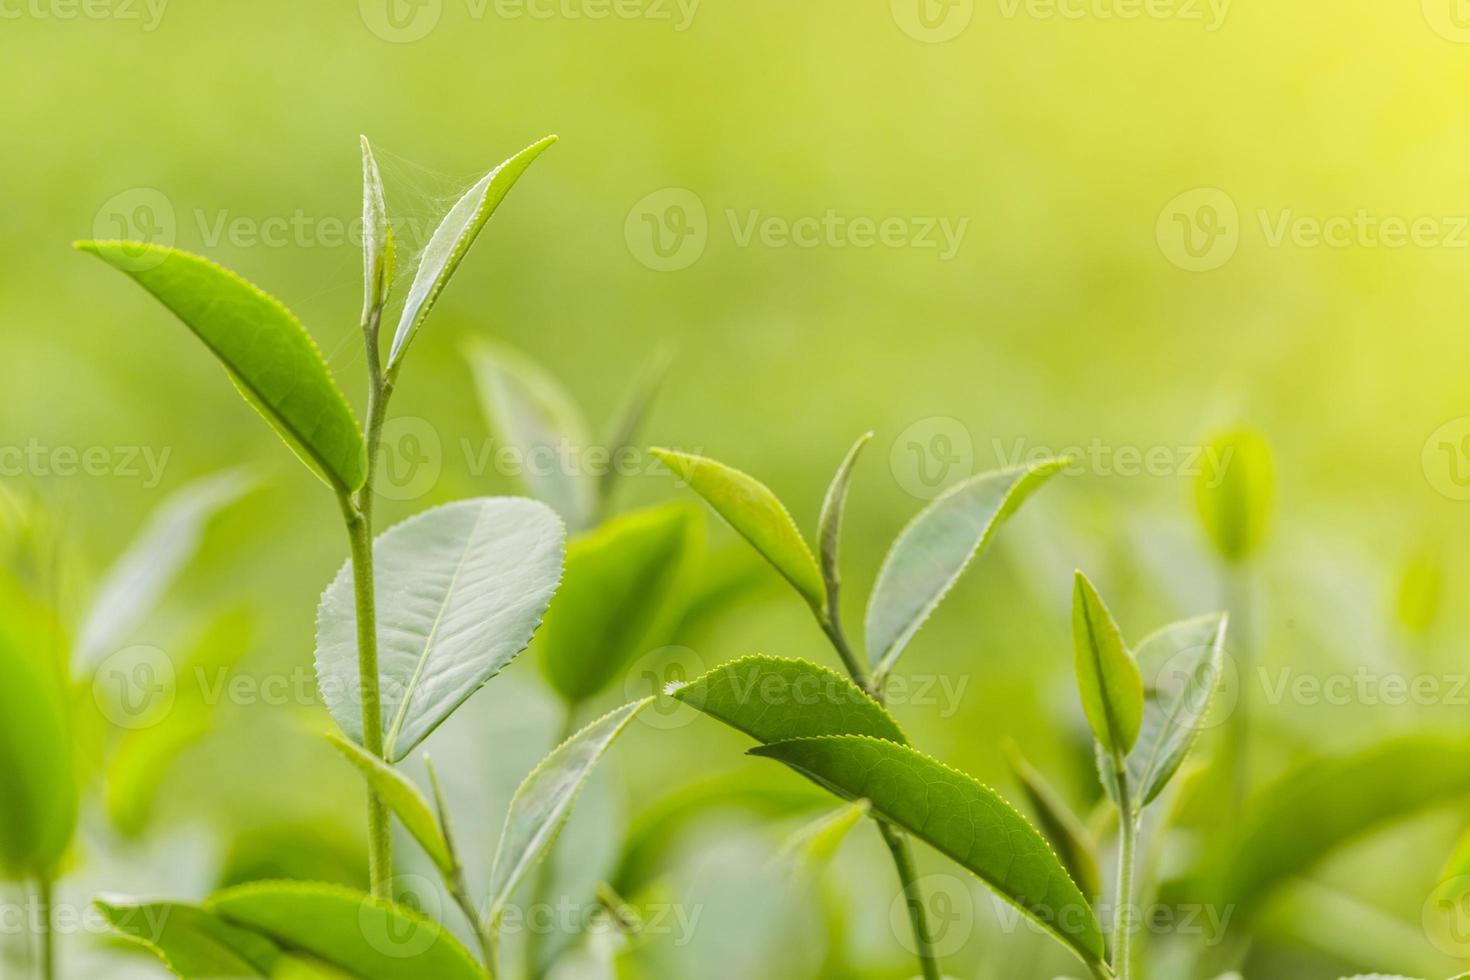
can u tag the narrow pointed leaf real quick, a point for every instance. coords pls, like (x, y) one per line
(935, 548)
(268, 354)
(620, 582)
(460, 591)
(402, 797)
(628, 420)
(829, 524)
(958, 816)
(131, 588)
(1062, 827)
(452, 239)
(1236, 494)
(192, 942)
(1107, 676)
(377, 236)
(543, 802)
(773, 699)
(759, 517)
(532, 414)
(359, 934)
(812, 847)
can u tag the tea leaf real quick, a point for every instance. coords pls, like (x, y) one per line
(460, 590)
(1108, 678)
(960, 817)
(452, 239)
(933, 551)
(1421, 589)
(1061, 826)
(37, 770)
(628, 420)
(759, 517)
(362, 935)
(191, 942)
(402, 797)
(812, 847)
(773, 699)
(268, 354)
(377, 236)
(132, 587)
(1236, 496)
(829, 523)
(530, 412)
(618, 583)
(544, 801)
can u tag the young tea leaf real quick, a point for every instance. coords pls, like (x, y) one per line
(191, 942)
(628, 421)
(1107, 676)
(829, 524)
(460, 591)
(759, 517)
(403, 798)
(452, 239)
(377, 236)
(958, 816)
(812, 848)
(268, 354)
(934, 550)
(352, 931)
(544, 801)
(132, 587)
(773, 699)
(1061, 826)
(618, 585)
(528, 410)
(1235, 497)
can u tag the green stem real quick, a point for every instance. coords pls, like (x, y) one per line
(48, 935)
(1127, 841)
(832, 626)
(903, 860)
(1238, 605)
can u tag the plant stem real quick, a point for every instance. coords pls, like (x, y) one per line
(903, 860)
(1238, 605)
(48, 937)
(546, 873)
(832, 626)
(1127, 839)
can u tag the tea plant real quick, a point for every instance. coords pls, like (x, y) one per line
(413, 624)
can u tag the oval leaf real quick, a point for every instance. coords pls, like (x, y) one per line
(191, 942)
(453, 238)
(829, 524)
(618, 584)
(958, 816)
(544, 801)
(773, 699)
(532, 414)
(362, 935)
(933, 551)
(1235, 496)
(269, 355)
(460, 591)
(403, 798)
(759, 517)
(1108, 678)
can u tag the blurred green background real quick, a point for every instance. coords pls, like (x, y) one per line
(1071, 313)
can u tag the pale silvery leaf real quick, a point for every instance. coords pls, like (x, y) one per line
(460, 590)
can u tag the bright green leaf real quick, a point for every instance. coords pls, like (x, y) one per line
(773, 699)
(829, 524)
(191, 942)
(377, 236)
(620, 580)
(450, 242)
(1235, 496)
(628, 421)
(1068, 836)
(958, 816)
(460, 590)
(812, 847)
(544, 800)
(934, 549)
(1107, 676)
(532, 414)
(759, 517)
(361, 935)
(269, 355)
(402, 797)
(1421, 589)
